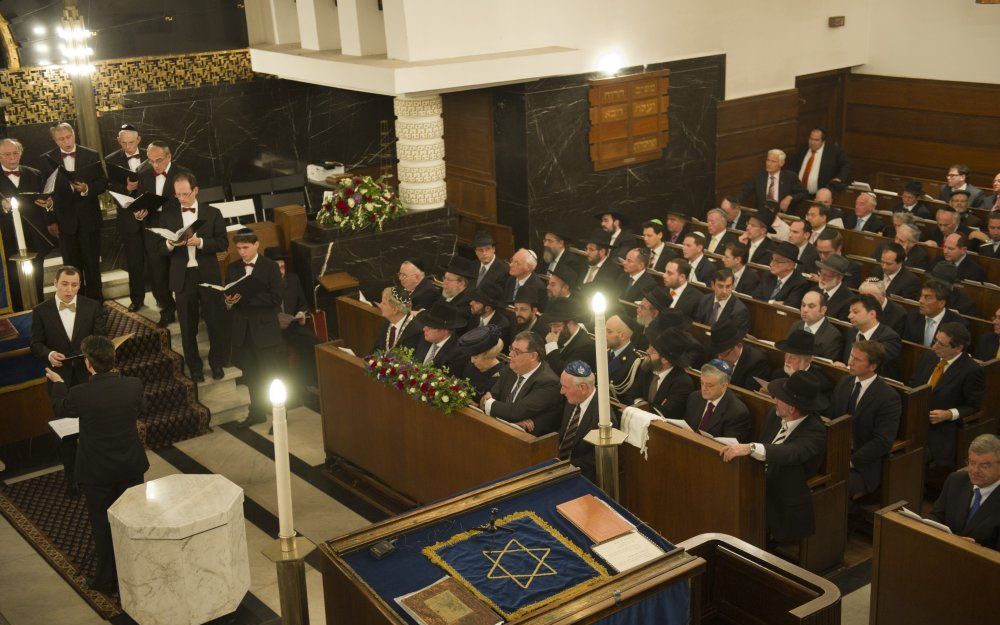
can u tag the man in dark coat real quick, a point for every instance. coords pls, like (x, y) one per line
(988, 346)
(439, 347)
(820, 164)
(793, 445)
(663, 384)
(400, 327)
(579, 417)
(421, 289)
(296, 331)
(567, 339)
(969, 504)
(829, 341)
(486, 308)
(110, 458)
(16, 180)
(721, 304)
(714, 408)
(866, 320)
(747, 362)
(527, 392)
(130, 229)
(635, 279)
(774, 184)
(899, 279)
(491, 268)
(784, 283)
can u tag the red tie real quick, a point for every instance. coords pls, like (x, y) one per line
(135, 156)
(809, 166)
(188, 210)
(705, 418)
(248, 264)
(15, 172)
(69, 154)
(392, 336)
(673, 293)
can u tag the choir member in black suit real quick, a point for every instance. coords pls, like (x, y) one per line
(784, 283)
(486, 308)
(864, 218)
(716, 409)
(482, 346)
(110, 458)
(684, 297)
(440, 324)
(129, 228)
(865, 316)
(421, 289)
(17, 179)
(653, 233)
(820, 164)
(828, 340)
(662, 384)
(58, 328)
(580, 415)
(747, 362)
(957, 386)
(191, 263)
(400, 327)
(601, 270)
(969, 504)
(76, 207)
(613, 223)
(555, 250)
(521, 275)
(988, 346)
(567, 339)
(721, 304)
(876, 408)
(635, 279)
(157, 175)
(253, 321)
(898, 278)
(745, 279)
(491, 268)
(527, 392)
(932, 313)
(299, 336)
(774, 184)
(793, 444)
(832, 272)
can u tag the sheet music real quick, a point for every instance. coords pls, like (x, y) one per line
(50, 183)
(628, 551)
(65, 427)
(224, 287)
(916, 517)
(124, 200)
(169, 235)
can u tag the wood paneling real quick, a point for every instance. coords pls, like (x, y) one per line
(746, 128)
(468, 142)
(921, 127)
(821, 103)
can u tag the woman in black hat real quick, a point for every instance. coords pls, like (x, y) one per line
(482, 345)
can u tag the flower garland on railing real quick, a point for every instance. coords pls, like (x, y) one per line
(433, 385)
(359, 202)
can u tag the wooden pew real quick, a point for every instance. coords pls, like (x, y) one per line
(923, 576)
(358, 324)
(415, 450)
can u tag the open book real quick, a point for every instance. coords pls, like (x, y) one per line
(47, 190)
(245, 286)
(147, 201)
(117, 342)
(65, 427)
(182, 235)
(910, 514)
(121, 175)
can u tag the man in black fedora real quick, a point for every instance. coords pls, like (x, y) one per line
(563, 281)
(784, 284)
(440, 343)
(799, 347)
(527, 310)
(421, 289)
(458, 277)
(567, 339)
(759, 245)
(831, 273)
(662, 383)
(613, 221)
(487, 308)
(747, 361)
(601, 267)
(909, 201)
(793, 444)
(714, 408)
(677, 227)
(491, 268)
(555, 249)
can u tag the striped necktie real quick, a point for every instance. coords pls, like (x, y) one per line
(569, 438)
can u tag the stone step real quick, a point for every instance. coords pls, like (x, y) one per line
(223, 396)
(237, 413)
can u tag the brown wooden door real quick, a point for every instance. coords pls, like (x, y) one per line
(468, 144)
(821, 103)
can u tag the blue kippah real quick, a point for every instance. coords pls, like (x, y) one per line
(579, 369)
(722, 366)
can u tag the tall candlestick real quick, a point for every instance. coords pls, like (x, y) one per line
(601, 346)
(18, 226)
(286, 526)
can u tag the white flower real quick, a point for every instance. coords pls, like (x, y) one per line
(423, 398)
(400, 377)
(444, 398)
(350, 202)
(369, 207)
(462, 394)
(413, 390)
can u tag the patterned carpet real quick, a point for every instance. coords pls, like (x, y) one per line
(58, 527)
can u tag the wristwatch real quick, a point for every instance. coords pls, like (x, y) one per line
(753, 448)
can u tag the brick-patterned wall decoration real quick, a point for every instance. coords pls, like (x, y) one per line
(44, 94)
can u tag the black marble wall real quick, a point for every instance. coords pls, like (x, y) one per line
(544, 171)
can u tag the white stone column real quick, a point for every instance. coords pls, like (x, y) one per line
(420, 149)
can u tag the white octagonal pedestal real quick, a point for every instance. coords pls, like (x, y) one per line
(181, 549)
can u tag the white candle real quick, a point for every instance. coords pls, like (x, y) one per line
(601, 346)
(18, 226)
(286, 526)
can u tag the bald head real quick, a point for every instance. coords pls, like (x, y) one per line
(619, 334)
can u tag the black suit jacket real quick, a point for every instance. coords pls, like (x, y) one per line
(727, 238)
(410, 336)
(917, 323)
(904, 284)
(894, 316)
(257, 316)
(688, 300)
(762, 255)
(126, 220)
(986, 347)
(214, 240)
(790, 464)
(634, 292)
(990, 249)
(952, 509)
(606, 276)
(500, 320)
(34, 217)
(48, 334)
(833, 164)
(579, 347)
(976, 196)
(293, 299)
(424, 295)
(581, 455)
(748, 281)
(734, 310)
(538, 399)
(917, 257)
(838, 305)
(889, 339)
(919, 209)
(874, 426)
(807, 259)
(72, 211)
(968, 269)
(497, 273)
(730, 419)
(671, 396)
(705, 270)
(791, 293)
(872, 224)
(961, 387)
(448, 356)
(828, 340)
(533, 280)
(109, 407)
(752, 364)
(788, 184)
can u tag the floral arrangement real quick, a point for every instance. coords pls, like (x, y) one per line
(433, 385)
(359, 202)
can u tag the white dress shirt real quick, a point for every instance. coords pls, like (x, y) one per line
(759, 453)
(161, 179)
(67, 316)
(812, 183)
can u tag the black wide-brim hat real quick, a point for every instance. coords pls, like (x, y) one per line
(482, 239)
(490, 294)
(559, 229)
(465, 267)
(615, 214)
(786, 250)
(442, 316)
(531, 295)
(566, 273)
(800, 390)
(600, 238)
(765, 217)
(563, 309)
(671, 344)
(836, 263)
(724, 337)
(798, 342)
(275, 253)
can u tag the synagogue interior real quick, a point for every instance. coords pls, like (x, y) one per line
(400, 312)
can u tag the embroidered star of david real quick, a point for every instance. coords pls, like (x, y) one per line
(523, 579)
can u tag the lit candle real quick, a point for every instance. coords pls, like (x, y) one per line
(286, 527)
(598, 304)
(18, 226)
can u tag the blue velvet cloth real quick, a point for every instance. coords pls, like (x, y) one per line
(22, 368)
(407, 569)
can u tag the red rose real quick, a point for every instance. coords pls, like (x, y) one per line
(371, 217)
(399, 385)
(454, 388)
(423, 387)
(430, 393)
(430, 376)
(357, 181)
(381, 371)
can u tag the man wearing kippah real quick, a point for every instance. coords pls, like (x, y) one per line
(577, 384)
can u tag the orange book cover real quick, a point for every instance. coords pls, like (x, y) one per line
(594, 518)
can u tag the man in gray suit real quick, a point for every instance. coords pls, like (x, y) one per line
(957, 181)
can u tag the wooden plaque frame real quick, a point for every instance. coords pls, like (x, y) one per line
(628, 119)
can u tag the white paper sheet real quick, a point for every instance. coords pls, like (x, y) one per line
(65, 427)
(628, 551)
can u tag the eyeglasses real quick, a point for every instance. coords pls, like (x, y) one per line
(517, 352)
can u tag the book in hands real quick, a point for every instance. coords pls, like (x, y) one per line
(149, 202)
(595, 518)
(121, 175)
(245, 286)
(84, 174)
(180, 236)
(116, 342)
(47, 190)
(67, 426)
(446, 602)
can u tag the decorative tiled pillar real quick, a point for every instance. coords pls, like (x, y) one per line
(420, 148)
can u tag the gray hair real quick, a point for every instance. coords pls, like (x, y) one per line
(718, 211)
(716, 373)
(159, 145)
(875, 287)
(869, 198)
(389, 294)
(986, 444)
(779, 153)
(904, 217)
(588, 380)
(530, 258)
(14, 142)
(61, 126)
(910, 232)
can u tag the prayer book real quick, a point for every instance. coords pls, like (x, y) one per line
(628, 551)
(121, 175)
(47, 190)
(681, 423)
(147, 201)
(446, 602)
(595, 518)
(725, 440)
(916, 517)
(246, 286)
(90, 172)
(65, 427)
(182, 235)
